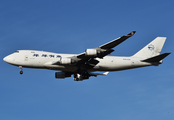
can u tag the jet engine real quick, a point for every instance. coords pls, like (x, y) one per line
(91, 52)
(81, 77)
(65, 61)
(62, 75)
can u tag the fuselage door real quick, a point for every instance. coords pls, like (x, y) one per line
(26, 57)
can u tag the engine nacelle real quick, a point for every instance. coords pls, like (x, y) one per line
(91, 52)
(81, 77)
(66, 61)
(62, 75)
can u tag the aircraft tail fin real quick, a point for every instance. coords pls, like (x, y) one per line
(152, 49)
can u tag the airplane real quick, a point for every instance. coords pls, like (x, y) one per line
(84, 65)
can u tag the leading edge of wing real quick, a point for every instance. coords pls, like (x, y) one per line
(117, 41)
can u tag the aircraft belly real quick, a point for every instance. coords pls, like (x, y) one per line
(67, 68)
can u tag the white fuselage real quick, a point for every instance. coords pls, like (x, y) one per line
(45, 60)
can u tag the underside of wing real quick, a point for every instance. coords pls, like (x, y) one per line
(77, 76)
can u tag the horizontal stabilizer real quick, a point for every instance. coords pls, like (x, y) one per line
(157, 58)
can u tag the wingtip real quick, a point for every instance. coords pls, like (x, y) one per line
(131, 33)
(106, 73)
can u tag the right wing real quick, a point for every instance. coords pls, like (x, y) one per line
(117, 41)
(105, 49)
(87, 58)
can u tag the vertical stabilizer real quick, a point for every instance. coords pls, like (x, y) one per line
(152, 49)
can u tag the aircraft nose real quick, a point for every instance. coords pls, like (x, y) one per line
(5, 59)
(8, 59)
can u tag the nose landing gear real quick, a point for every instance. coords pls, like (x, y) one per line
(21, 72)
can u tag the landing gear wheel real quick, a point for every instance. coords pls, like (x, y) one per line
(21, 72)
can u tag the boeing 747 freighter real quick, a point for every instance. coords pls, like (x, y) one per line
(82, 66)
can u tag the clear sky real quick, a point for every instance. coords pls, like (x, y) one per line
(71, 26)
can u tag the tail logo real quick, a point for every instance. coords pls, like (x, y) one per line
(151, 47)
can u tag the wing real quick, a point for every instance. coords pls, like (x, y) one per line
(105, 49)
(117, 41)
(87, 58)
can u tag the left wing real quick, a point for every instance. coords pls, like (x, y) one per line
(62, 75)
(95, 74)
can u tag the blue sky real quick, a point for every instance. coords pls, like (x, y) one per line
(70, 27)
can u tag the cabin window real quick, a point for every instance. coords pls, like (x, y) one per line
(17, 52)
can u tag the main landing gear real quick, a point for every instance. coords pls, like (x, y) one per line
(21, 72)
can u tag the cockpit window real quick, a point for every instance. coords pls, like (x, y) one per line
(17, 52)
